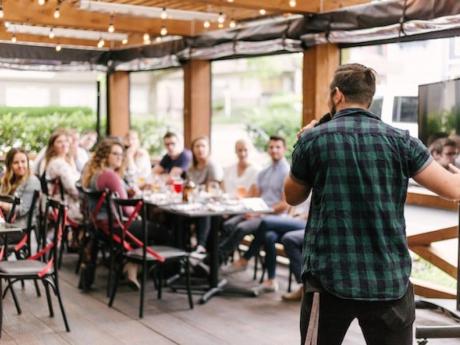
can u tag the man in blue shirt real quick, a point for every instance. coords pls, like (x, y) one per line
(175, 161)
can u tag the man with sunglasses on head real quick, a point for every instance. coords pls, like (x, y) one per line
(356, 260)
(176, 160)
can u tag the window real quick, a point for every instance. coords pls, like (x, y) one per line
(405, 109)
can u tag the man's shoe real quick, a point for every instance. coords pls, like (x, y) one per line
(265, 288)
(294, 296)
(231, 269)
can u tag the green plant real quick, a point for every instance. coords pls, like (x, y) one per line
(151, 131)
(279, 117)
(30, 128)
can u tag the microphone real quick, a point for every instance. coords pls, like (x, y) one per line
(325, 118)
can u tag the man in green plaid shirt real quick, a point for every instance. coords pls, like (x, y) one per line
(355, 249)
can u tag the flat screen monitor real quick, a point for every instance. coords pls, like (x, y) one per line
(438, 110)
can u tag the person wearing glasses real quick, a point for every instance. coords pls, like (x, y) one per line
(176, 160)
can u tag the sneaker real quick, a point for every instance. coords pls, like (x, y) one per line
(294, 296)
(265, 288)
(233, 268)
(199, 253)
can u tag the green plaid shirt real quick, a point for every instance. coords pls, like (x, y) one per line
(355, 239)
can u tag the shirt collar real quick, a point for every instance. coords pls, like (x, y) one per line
(355, 112)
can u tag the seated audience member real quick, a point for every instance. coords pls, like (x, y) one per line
(88, 140)
(271, 231)
(176, 160)
(444, 151)
(269, 187)
(240, 177)
(59, 164)
(203, 171)
(138, 160)
(79, 155)
(103, 172)
(18, 181)
(293, 243)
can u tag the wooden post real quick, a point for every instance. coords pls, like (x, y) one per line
(319, 64)
(118, 103)
(197, 100)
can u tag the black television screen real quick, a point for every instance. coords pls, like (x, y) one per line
(438, 110)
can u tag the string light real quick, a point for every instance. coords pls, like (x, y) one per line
(100, 43)
(262, 12)
(164, 14)
(146, 38)
(125, 41)
(206, 24)
(220, 25)
(6, 24)
(51, 34)
(111, 27)
(163, 31)
(232, 24)
(57, 13)
(13, 38)
(230, 0)
(58, 48)
(41, 2)
(221, 18)
(292, 3)
(158, 39)
(1, 12)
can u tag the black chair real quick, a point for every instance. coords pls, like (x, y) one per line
(35, 269)
(97, 235)
(14, 201)
(152, 259)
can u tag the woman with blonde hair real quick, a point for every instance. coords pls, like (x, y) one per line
(59, 164)
(18, 181)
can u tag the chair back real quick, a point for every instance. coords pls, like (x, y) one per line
(52, 187)
(126, 240)
(49, 252)
(14, 201)
(30, 226)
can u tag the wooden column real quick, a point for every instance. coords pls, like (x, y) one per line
(319, 64)
(118, 103)
(197, 100)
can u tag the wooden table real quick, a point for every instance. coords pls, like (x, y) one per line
(215, 211)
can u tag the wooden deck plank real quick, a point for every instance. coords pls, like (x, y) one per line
(224, 320)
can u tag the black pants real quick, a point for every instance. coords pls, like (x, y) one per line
(382, 323)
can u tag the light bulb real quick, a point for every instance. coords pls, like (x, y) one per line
(101, 43)
(163, 31)
(1, 13)
(158, 39)
(221, 18)
(57, 13)
(220, 25)
(164, 14)
(51, 34)
(232, 24)
(111, 28)
(292, 3)
(13, 39)
(58, 48)
(230, 0)
(206, 24)
(41, 2)
(146, 37)
(125, 41)
(262, 12)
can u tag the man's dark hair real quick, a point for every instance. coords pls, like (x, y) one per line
(169, 135)
(278, 138)
(438, 145)
(356, 82)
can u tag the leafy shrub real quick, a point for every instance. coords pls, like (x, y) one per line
(30, 128)
(151, 131)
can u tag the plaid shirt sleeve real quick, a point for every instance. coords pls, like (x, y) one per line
(419, 156)
(300, 170)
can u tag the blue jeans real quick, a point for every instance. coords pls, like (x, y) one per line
(293, 243)
(269, 232)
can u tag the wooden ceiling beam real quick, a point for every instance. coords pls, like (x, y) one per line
(28, 12)
(302, 6)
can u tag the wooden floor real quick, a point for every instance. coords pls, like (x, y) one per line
(224, 320)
